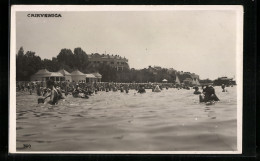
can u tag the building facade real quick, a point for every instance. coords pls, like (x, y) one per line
(115, 61)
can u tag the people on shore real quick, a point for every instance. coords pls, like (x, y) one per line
(141, 89)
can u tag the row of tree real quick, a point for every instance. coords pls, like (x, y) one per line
(28, 63)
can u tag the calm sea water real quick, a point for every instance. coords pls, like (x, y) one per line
(171, 120)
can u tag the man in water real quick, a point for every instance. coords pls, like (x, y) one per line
(208, 95)
(59, 92)
(54, 96)
(223, 87)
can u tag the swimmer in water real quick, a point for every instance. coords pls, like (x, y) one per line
(223, 88)
(54, 96)
(196, 90)
(59, 92)
(208, 95)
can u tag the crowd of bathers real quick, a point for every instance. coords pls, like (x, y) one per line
(57, 90)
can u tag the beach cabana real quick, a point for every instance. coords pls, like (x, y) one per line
(90, 78)
(56, 76)
(77, 76)
(98, 76)
(41, 75)
(66, 74)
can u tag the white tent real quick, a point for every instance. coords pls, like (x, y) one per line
(41, 75)
(44, 75)
(66, 74)
(98, 76)
(177, 80)
(195, 81)
(90, 78)
(56, 76)
(78, 76)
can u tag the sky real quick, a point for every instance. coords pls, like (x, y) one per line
(201, 42)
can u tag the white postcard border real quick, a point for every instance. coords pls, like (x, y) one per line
(12, 89)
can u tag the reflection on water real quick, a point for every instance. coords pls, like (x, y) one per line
(172, 120)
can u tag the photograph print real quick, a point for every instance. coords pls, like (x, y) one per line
(126, 79)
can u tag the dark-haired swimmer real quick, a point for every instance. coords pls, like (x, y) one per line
(196, 90)
(208, 95)
(223, 88)
(54, 96)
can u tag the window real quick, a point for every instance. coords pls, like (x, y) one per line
(112, 62)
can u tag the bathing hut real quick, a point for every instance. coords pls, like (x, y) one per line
(41, 75)
(78, 76)
(66, 74)
(98, 76)
(44, 75)
(56, 76)
(90, 78)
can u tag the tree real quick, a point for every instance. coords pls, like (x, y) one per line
(80, 59)
(26, 64)
(32, 63)
(19, 64)
(108, 73)
(66, 58)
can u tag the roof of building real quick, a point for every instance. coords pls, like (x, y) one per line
(97, 75)
(164, 80)
(64, 72)
(56, 74)
(43, 72)
(90, 76)
(77, 72)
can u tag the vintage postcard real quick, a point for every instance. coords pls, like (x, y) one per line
(134, 79)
